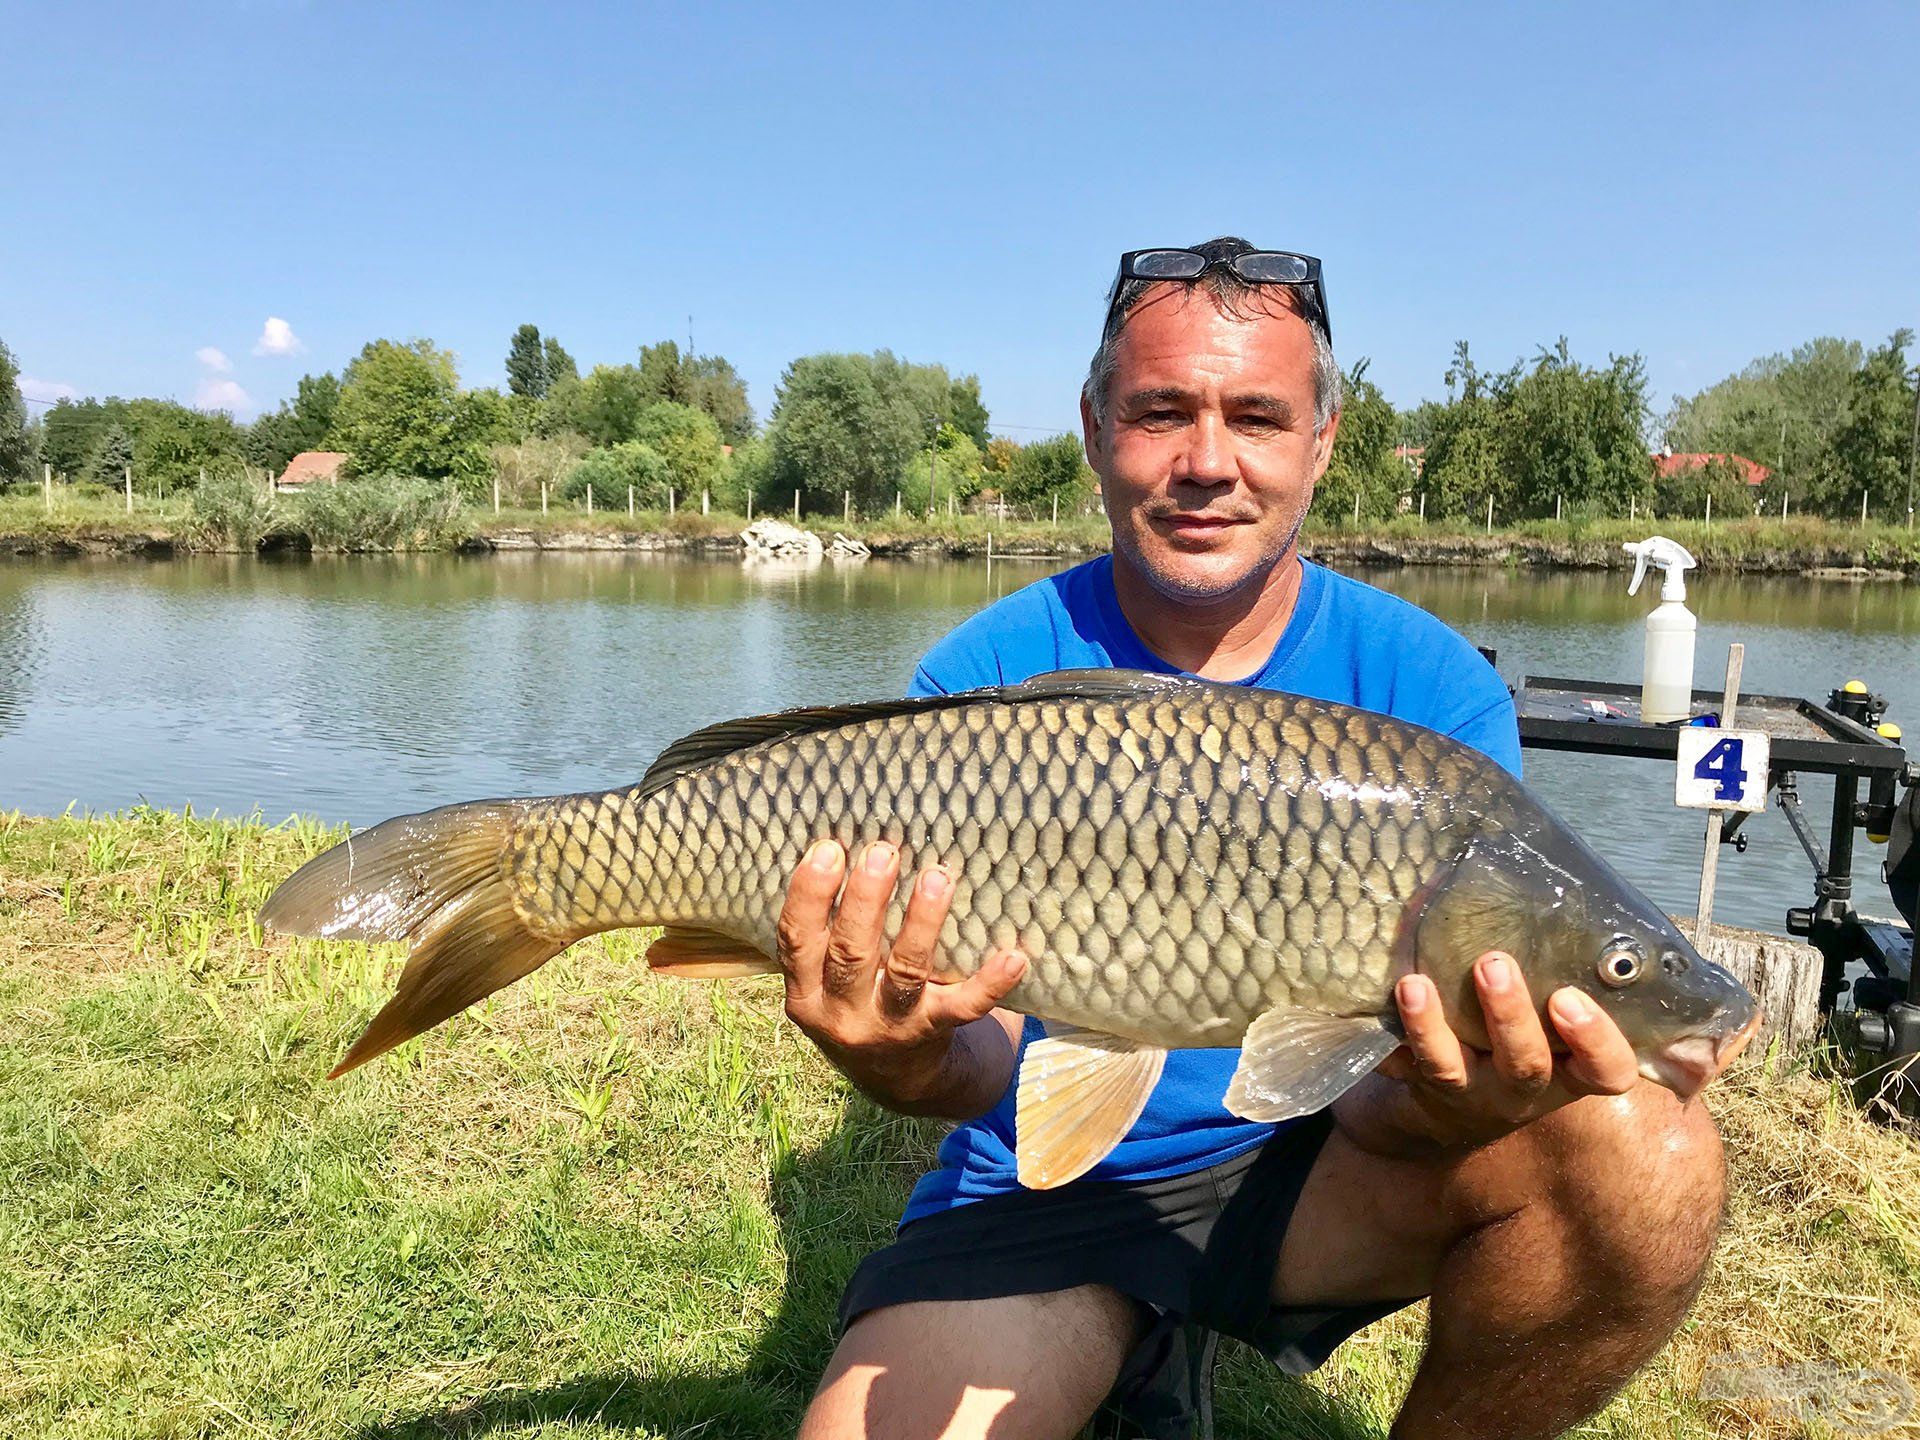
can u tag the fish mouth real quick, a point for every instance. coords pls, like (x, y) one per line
(1688, 1064)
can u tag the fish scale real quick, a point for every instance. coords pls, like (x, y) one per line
(1144, 817)
(1183, 864)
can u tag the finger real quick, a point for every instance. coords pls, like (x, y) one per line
(911, 961)
(1599, 1060)
(853, 944)
(979, 993)
(1518, 1042)
(1438, 1056)
(802, 933)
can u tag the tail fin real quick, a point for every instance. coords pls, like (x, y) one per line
(437, 879)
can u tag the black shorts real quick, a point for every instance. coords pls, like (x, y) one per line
(1198, 1250)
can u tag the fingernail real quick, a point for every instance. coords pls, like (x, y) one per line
(1017, 963)
(1575, 1007)
(879, 857)
(825, 855)
(1498, 974)
(935, 883)
(1413, 996)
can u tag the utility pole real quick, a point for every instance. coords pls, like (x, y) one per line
(1913, 451)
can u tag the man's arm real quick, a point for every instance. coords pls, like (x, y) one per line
(1434, 1093)
(908, 1043)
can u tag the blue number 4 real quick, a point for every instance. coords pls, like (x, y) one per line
(1722, 764)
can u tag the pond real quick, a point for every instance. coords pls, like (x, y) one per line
(357, 688)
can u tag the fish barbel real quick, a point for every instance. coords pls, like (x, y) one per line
(1183, 863)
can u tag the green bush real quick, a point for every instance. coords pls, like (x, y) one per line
(229, 512)
(382, 513)
(609, 472)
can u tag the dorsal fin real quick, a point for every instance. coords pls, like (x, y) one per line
(729, 737)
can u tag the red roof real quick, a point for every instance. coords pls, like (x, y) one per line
(1692, 460)
(311, 465)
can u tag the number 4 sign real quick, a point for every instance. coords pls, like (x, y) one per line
(1721, 770)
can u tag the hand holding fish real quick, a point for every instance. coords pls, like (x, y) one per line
(907, 1040)
(1438, 1091)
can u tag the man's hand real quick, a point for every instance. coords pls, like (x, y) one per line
(1435, 1092)
(910, 1043)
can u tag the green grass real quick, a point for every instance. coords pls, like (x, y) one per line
(599, 1204)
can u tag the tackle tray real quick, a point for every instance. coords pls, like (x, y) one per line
(1805, 737)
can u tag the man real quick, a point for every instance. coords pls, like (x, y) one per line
(1558, 1210)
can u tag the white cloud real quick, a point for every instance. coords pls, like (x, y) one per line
(277, 338)
(46, 391)
(217, 394)
(214, 360)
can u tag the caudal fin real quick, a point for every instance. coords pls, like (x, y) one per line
(438, 880)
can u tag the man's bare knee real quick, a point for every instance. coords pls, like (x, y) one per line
(1028, 1366)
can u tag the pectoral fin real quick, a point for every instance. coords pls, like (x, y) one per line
(1294, 1062)
(1080, 1092)
(692, 954)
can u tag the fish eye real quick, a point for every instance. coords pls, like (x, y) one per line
(1619, 965)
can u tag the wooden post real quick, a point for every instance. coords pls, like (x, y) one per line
(796, 507)
(496, 494)
(749, 504)
(629, 501)
(846, 506)
(1783, 504)
(669, 500)
(589, 499)
(1056, 508)
(1356, 505)
(703, 500)
(1489, 514)
(203, 476)
(1423, 507)
(1556, 509)
(543, 497)
(1863, 507)
(1710, 862)
(1709, 507)
(1633, 507)
(896, 504)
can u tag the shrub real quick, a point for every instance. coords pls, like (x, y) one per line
(229, 512)
(609, 472)
(382, 513)
(523, 467)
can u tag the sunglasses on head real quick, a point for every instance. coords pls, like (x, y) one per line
(1255, 267)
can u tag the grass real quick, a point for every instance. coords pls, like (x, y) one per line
(1788, 546)
(603, 1204)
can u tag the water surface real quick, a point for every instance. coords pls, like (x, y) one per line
(357, 688)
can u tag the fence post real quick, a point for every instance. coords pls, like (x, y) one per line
(749, 504)
(896, 504)
(1489, 514)
(1863, 507)
(589, 499)
(1783, 504)
(846, 506)
(1423, 507)
(1709, 507)
(703, 500)
(1633, 507)
(543, 497)
(496, 494)
(1556, 509)
(670, 506)
(796, 507)
(1056, 509)
(1356, 505)
(629, 500)
(130, 487)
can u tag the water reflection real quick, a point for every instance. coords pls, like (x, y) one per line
(359, 688)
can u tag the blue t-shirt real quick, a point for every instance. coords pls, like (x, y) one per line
(1346, 642)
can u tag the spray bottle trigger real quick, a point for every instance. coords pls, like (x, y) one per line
(1639, 568)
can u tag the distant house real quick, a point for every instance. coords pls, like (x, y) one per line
(1414, 457)
(310, 467)
(1668, 463)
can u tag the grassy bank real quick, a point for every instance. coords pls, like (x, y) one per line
(78, 523)
(604, 1204)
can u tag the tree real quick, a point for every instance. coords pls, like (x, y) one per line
(603, 408)
(16, 439)
(706, 382)
(173, 446)
(522, 465)
(843, 422)
(560, 364)
(296, 426)
(1781, 411)
(1048, 469)
(112, 453)
(1871, 449)
(1363, 462)
(527, 363)
(969, 412)
(401, 412)
(73, 429)
(950, 466)
(687, 440)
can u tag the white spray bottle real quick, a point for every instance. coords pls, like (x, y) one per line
(1666, 679)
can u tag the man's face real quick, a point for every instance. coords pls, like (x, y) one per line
(1207, 457)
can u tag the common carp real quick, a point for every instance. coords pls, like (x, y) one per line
(1183, 863)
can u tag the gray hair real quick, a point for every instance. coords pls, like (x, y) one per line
(1235, 298)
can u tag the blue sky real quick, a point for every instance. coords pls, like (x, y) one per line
(1701, 184)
